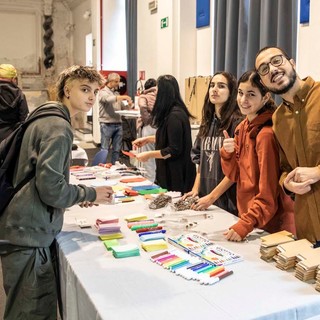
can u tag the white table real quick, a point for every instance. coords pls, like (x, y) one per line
(98, 286)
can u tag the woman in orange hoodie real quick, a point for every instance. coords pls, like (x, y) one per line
(251, 159)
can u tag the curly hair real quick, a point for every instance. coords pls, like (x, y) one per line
(77, 73)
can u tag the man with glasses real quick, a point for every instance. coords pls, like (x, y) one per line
(296, 124)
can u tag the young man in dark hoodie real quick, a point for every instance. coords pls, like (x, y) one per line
(13, 103)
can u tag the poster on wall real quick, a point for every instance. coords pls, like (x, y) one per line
(203, 13)
(304, 11)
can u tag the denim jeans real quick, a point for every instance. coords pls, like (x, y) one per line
(113, 132)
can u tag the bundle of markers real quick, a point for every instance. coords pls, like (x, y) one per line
(190, 267)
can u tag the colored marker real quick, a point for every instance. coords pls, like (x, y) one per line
(216, 271)
(166, 261)
(207, 269)
(143, 226)
(149, 229)
(220, 277)
(165, 258)
(180, 265)
(202, 265)
(151, 232)
(130, 224)
(196, 264)
(158, 255)
(175, 261)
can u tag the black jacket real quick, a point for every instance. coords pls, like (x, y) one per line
(176, 172)
(13, 108)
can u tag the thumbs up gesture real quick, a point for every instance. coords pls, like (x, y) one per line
(228, 143)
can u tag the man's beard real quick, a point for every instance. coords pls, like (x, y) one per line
(292, 77)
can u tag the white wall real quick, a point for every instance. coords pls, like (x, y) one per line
(114, 56)
(181, 49)
(82, 27)
(147, 28)
(308, 62)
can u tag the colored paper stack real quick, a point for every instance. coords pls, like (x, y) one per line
(154, 245)
(110, 243)
(125, 251)
(135, 217)
(287, 253)
(153, 235)
(269, 243)
(109, 228)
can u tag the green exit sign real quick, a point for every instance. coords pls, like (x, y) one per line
(165, 22)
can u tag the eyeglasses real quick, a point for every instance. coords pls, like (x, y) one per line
(276, 61)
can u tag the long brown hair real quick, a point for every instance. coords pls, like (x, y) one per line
(229, 111)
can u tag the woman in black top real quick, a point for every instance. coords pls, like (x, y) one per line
(220, 112)
(174, 169)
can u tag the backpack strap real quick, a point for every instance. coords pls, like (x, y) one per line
(41, 112)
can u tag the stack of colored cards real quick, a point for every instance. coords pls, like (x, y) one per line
(110, 243)
(154, 235)
(108, 228)
(135, 217)
(154, 245)
(125, 251)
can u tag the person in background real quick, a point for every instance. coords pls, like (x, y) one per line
(13, 103)
(146, 102)
(296, 124)
(252, 160)
(220, 112)
(31, 221)
(170, 116)
(111, 101)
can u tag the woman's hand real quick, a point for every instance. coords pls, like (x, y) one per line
(140, 142)
(143, 156)
(191, 193)
(203, 203)
(228, 143)
(231, 235)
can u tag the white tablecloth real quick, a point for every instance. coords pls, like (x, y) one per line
(98, 286)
